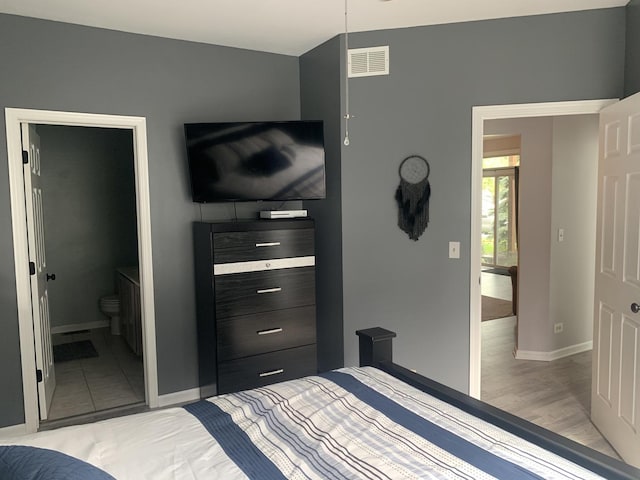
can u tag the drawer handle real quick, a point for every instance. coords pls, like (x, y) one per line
(268, 244)
(270, 290)
(269, 332)
(272, 372)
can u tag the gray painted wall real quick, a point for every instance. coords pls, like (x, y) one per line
(573, 208)
(632, 61)
(56, 66)
(534, 225)
(89, 207)
(437, 74)
(320, 86)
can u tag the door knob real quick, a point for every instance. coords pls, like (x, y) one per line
(52, 276)
(635, 308)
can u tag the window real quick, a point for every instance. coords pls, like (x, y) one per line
(499, 210)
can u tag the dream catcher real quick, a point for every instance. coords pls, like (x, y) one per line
(413, 195)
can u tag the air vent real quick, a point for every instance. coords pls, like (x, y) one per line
(366, 62)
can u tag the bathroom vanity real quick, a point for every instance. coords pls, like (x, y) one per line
(130, 312)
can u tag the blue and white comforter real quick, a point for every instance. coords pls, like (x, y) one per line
(351, 423)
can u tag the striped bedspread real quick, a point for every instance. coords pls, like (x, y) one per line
(363, 423)
(351, 423)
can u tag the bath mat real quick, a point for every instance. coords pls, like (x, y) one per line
(74, 351)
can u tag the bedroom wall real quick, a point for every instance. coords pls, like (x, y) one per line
(632, 62)
(573, 208)
(89, 208)
(320, 86)
(534, 224)
(437, 74)
(56, 66)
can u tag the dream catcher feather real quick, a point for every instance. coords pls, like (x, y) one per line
(413, 195)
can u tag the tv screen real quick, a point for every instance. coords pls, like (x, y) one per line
(256, 161)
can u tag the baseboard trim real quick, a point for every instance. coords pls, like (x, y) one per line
(13, 431)
(80, 326)
(175, 398)
(554, 355)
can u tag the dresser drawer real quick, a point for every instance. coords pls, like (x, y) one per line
(260, 370)
(265, 332)
(254, 292)
(231, 247)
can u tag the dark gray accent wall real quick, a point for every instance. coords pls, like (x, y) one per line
(437, 75)
(89, 204)
(321, 75)
(632, 60)
(56, 66)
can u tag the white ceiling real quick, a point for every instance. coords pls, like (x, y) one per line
(289, 27)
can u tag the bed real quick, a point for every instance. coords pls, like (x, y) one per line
(373, 422)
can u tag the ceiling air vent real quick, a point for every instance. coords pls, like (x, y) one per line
(366, 62)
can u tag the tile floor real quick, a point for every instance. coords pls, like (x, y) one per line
(114, 378)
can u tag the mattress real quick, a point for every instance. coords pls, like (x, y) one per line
(348, 423)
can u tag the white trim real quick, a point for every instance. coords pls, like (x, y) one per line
(556, 354)
(79, 326)
(263, 265)
(179, 397)
(14, 117)
(479, 115)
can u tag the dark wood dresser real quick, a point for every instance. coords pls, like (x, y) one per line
(256, 308)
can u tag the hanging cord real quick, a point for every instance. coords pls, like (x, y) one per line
(347, 115)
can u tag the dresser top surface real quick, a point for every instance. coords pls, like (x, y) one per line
(250, 225)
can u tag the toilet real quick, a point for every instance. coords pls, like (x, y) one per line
(110, 306)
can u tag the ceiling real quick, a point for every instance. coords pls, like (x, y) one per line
(290, 27)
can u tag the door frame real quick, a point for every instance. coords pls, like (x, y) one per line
(479, 115)
(14, 117)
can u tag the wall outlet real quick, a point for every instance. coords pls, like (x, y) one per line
(558, 327)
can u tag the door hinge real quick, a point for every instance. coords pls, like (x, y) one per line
(32, 268)
(38, 375)
(25, 157)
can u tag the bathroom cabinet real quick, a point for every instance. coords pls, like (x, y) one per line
(256, 306)
(130, 312)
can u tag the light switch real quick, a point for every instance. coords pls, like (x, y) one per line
(454, 249)
(561, 235)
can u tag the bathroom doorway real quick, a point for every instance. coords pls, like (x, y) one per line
(87, 182)
(76, 231)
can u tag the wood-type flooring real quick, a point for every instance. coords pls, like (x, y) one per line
(555, 395)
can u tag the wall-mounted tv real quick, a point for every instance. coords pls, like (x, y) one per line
(251, 161)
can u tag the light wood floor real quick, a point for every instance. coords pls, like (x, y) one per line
(555, 395)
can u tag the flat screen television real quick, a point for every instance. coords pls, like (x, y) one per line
(249, 161)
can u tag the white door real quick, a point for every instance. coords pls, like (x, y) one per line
(615, 395)
(38, 265)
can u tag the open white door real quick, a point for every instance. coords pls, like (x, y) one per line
(38, 265)
(615, 394)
